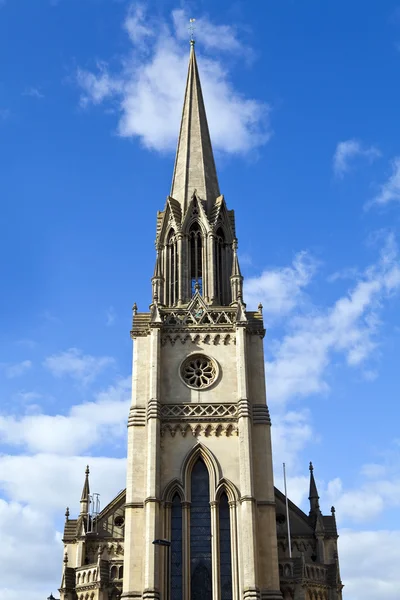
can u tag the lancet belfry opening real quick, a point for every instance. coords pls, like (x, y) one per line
(196, 259)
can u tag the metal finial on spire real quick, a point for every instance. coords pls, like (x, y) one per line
(192, 28)
(311, 467)
(87, 470)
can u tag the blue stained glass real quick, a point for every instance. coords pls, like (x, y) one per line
(225, 558)
(176, 549)
(200, 534)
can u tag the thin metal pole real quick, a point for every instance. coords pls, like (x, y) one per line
(287, 512)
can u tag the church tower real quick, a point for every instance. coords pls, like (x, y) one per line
(199, 443)
(200, 518)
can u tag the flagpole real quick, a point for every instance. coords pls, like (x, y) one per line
(287, 512)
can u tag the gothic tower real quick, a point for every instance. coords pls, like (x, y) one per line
(199, 469)
(199, 443)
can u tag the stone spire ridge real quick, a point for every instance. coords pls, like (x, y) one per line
(194, 169)
(313, 494)
(85, 493)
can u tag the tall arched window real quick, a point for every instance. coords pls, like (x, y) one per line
(200, 534)
(172, 269)
(225, 556)
(220, 264)
(196, 258)
(176, 548)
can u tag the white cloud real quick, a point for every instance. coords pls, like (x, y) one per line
(82, 367)
(135, 25)
(213, 37)
(30, 551)
(85, 426)
(369, 562)
(347, 151)
(38, 489)
(301, 359)
(280, 290)
(17, 369)
(390, 190)
(148, 91)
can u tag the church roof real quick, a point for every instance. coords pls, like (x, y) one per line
(194, 163)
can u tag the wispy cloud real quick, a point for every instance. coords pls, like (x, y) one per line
(280, 290)
(73, 363)
(148, 89)
(347, 151)
(390, 190)
(78, 431)
(301, 359)
(34, 92)
(110, 316)
(17, 369)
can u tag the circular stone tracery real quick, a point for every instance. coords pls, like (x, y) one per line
(198, 371)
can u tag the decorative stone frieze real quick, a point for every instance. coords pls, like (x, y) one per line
(197, 429)
(199, 412)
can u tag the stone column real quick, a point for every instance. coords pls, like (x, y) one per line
(215, 550)
(234, 551)
(210, 267)
(179, 259)
(152, 501)
(186, 550)
(247, 500)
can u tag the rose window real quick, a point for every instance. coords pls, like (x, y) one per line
(198, 371)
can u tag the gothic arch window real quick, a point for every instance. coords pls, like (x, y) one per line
(176, 548)
(196, 258)
(225, 553)
(220, 266)
(89, 576)
(83, 577)
(121, 572)
(172, 269)
(113, 572)
(200, 534)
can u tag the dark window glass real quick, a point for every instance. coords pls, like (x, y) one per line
(225, 558)
(176, 549)
(200, 534)
(196, 258)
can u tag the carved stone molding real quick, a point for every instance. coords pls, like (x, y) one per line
(199, 412)
(153, 409)
(244, 408)
(261, 414)
(137, 416)
(197, 429)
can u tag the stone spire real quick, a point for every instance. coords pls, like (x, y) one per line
(194, 163)
(313, 494)
(85, 493)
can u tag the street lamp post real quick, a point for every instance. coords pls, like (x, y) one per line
(167, 545)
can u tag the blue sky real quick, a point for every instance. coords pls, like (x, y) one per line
(302, 100)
